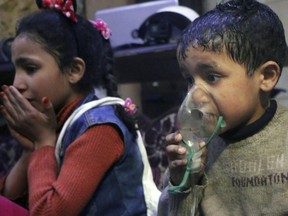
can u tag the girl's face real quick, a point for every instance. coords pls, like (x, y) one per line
(231, 90)
(38, 74)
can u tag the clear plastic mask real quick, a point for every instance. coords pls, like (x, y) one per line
(198, 118)
(198, 121)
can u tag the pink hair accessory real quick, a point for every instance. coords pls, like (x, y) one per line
(102, 27)
(130, 107)
(65, 6)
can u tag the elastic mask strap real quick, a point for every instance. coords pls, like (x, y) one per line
(181, 187)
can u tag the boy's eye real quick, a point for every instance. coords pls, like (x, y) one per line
(212, 77)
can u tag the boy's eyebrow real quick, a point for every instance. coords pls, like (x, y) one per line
(206, 66)
(200, 66)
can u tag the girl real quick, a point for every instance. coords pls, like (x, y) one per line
(62, 63)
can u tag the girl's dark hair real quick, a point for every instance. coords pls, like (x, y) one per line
(249, 31)
(65, 40)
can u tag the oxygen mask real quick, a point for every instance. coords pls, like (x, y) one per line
(198, 121)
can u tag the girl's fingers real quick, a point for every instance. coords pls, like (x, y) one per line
(10, 102)
(19, 102)
(49, 110)
(5, 108)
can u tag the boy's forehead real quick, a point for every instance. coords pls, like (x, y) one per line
(197, 50)
(202, 60)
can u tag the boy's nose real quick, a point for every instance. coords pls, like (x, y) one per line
(200, 96)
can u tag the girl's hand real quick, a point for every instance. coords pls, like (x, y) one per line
(24, 141)
(26, 122)
(177, 157)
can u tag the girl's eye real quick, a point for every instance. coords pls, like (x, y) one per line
(30, 69)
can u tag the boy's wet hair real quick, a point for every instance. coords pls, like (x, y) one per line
(65, 40)
(249, 31)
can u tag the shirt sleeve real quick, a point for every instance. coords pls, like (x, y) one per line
(86, 161)
(186, 203)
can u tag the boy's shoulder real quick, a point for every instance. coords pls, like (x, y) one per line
(282, 110)
(278, 123)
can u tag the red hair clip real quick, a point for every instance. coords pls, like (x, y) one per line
(65, 6)
(102, 27)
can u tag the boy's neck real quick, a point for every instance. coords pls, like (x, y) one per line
(251, 129)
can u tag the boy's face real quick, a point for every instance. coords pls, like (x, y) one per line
(232, 91)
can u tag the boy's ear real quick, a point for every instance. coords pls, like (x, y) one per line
(77, 70)
(270, 73)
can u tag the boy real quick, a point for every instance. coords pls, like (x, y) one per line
(236, 52)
